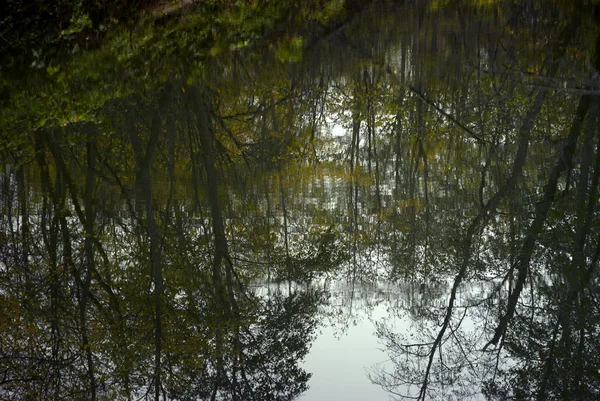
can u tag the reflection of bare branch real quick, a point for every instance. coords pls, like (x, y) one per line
(584, 86)
(548, 367)
(462, 350)
(440, 110)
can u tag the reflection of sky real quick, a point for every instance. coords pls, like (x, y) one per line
(341, 356)
(339, 365)
(346, 348)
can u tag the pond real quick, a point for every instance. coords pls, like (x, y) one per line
(321, 200)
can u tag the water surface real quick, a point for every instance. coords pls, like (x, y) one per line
(320, 201)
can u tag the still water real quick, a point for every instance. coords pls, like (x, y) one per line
(333, 200)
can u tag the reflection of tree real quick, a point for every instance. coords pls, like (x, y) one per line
(558, 349)
(275, 346)
(257, 361)
(450, 361)
(104, 300)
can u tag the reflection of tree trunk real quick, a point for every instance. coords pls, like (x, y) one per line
(398, 121)
(207, 141)
(354, 162)
(576, 275)
(479, 222)
(201, 108)
(549, 364)
(145, 188)
(434, 34)
(50, 231)
(55, 290)
(373, 140)
(82, 285)
(423, 157)
(288, 261)
(518, 164)
(195, 168)
(541, 211)
(398, 148)
(23, 204)
(144, 158)
(574, 272)
(268, 231)
(88, 201)
(356, 120)
(353, 184)
(355, 231)
(368, 84)
(411, 211)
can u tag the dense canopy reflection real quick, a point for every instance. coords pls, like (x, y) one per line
(192, 191)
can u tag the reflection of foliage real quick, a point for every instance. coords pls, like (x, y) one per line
(313, 262)
(251, 353)
(277, 343)
(261, 360)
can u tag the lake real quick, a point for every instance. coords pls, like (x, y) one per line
(321, 200)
